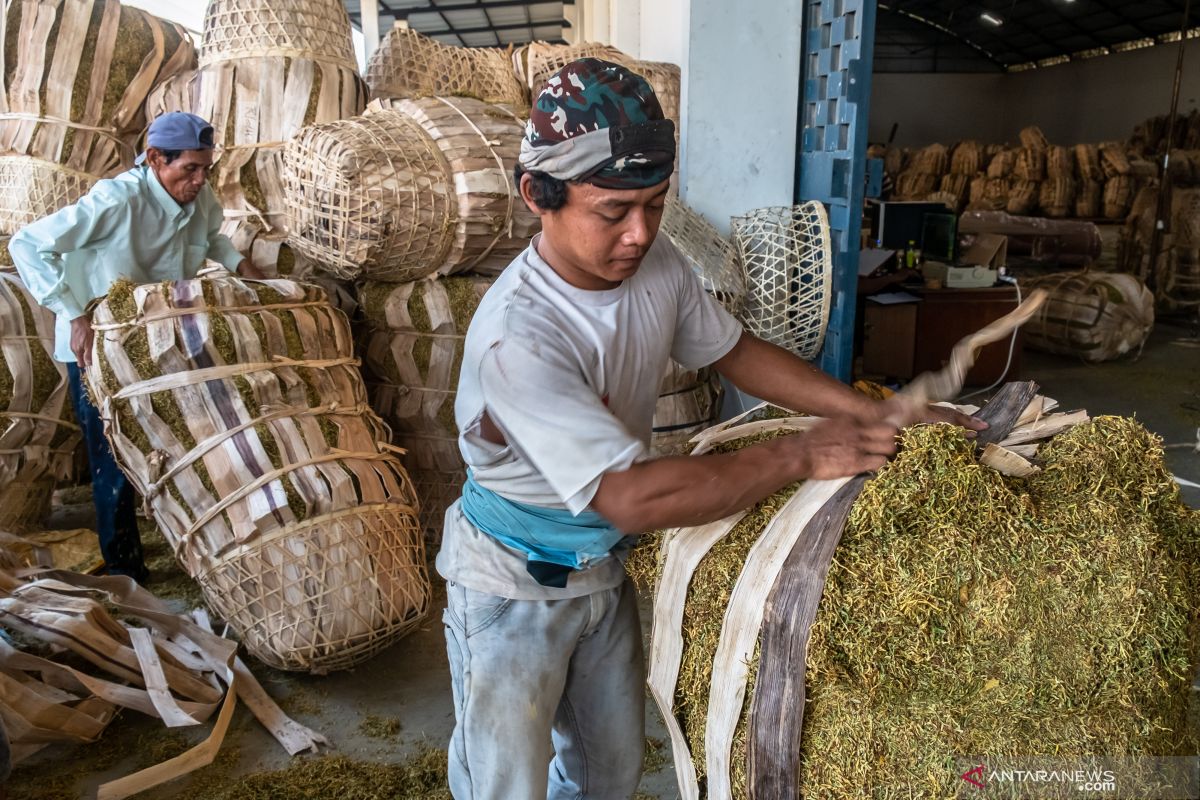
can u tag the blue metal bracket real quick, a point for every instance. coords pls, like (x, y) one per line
(839, 38)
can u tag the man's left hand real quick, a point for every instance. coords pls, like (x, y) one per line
(248, 270)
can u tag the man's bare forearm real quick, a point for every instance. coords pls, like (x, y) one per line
(773, 374)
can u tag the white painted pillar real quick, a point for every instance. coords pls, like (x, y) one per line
(625, 25)
(664, 30)
(370, 25)
(599, 16)
(574, 15)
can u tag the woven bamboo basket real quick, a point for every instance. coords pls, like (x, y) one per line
(370, 197)
(1023, 197)
(932, 159)
(76, 77)
(237, 410)
(956, 186)
(1118, 195)
(480, 143)
(1113, 160)
(267, 70)
(1095, 316)
(1056, 197)
(38, 433)
(996, 193)
(968, 158)
(407, 64)
(689, 401)
(1003, 163)
(713, 257)
(1060, 163)
(1089, 201)
(1030, 165)
(977, 192)
(1032, 138)
(412, 344)
(1087, 162)
(915, 185)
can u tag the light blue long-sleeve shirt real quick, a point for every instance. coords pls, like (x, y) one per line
(125, 227)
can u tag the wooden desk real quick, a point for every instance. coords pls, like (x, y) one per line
(902, 341)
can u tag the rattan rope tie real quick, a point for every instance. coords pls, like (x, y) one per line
(279, 52)
(250, 488)
(234, 553)
(108, 133)
(142, 319)
(212, 442)
(27, 415)
(178, 380)
(506, 227)
(405, 390)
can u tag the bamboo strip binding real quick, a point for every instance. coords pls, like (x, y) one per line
(409, 65)
(270, 489)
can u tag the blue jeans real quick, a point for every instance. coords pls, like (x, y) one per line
(548, 696)
(116, 518)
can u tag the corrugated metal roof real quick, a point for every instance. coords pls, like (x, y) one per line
(473, 23)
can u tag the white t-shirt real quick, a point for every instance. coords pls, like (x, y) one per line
(571, 378)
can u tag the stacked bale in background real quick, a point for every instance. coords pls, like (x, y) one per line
(267, 69)
(1095, 316)
(403, 197)
(76, 75)
(237, 410)
(38, 433)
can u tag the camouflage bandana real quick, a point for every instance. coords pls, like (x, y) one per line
(596, 121)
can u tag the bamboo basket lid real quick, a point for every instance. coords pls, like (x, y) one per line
(311, 29)
(237, 410)
(408, 64)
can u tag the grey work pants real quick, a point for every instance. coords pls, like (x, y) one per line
(548, 696)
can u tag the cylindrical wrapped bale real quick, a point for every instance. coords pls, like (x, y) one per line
(1060, 163)
(370, 196)
(76, 77)
(1087, 161)
(413, 346)
(480, 143)
(931, 160)
(1032, 138)
(38, 433)
(930, 605)
(1113, 160)
(968, 158)
(408, 64)
(1057, 197)
(956, 186)
(1003, 163)
(894, 161)
(689, 402)
(1023, 197)
(1030, 164)
(237, 410)
(977, 192)
(915, 185)
(1118, 195)
(1089, 200)
(1093, 315)
(267, 70)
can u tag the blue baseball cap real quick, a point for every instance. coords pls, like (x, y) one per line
(178, 130)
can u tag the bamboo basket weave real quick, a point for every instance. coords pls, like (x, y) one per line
(1060, 163)
(956, 187)
(1030, 164)
(412, 344)
(915, 185)
(267, 70)
(1095, 316)
(38, 433)
(1118, 196)
(237, 410)
(1022, 197)
(1087, 161)
(712, 256)
(1113, 160)
(408, 64)
(932, 160)
(480, 143)
(76, 76)
(968, 158)
(689, 402)
(1033, 138)
(1002, 164)
(995, 194)
(1057, 197)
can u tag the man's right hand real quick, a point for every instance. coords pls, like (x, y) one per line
(841, 447)
(81, 341)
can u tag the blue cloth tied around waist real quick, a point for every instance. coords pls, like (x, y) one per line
(554, 540)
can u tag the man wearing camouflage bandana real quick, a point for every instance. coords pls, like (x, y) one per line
(555, 404)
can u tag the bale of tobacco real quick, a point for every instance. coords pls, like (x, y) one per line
(38, 433)
(76, 76)
(964, 613)
(238, 411)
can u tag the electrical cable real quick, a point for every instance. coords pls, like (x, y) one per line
(1012, 344)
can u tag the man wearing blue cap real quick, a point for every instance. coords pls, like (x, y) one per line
(157, 222)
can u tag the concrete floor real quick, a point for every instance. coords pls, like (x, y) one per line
(409, 682)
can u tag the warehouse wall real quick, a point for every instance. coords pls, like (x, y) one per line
(1081, 101)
